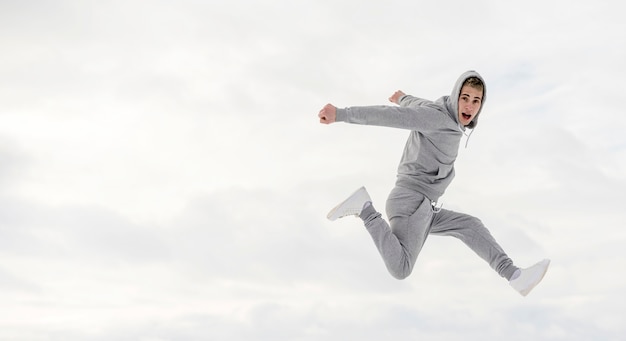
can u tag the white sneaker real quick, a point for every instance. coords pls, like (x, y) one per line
(351, 206)
(530, 277)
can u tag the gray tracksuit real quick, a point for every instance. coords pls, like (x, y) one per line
(425, 171)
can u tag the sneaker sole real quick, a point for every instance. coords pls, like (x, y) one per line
(526, 292)
(330, 216)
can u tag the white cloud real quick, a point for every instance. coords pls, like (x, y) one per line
(163, 175)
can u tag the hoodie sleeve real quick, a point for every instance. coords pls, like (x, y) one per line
(409, 101)
(419, 118)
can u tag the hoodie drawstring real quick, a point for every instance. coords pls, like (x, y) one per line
(436, 209)
(468, 137)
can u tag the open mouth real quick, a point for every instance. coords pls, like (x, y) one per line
(466, 116)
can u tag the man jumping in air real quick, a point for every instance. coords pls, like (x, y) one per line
(425, 171)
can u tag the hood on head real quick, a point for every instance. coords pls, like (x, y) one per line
(453, 101)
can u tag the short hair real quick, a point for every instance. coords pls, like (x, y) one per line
(475, 83)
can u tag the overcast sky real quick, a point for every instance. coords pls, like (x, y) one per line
(163, 175)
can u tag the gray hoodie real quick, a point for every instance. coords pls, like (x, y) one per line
(427, 163)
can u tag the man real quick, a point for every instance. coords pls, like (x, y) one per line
(425, 171)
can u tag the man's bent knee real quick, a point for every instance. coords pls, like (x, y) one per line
(401, 273)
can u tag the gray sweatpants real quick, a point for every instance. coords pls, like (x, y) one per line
(412, 218)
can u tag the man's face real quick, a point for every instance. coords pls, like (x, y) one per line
(470, 101)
